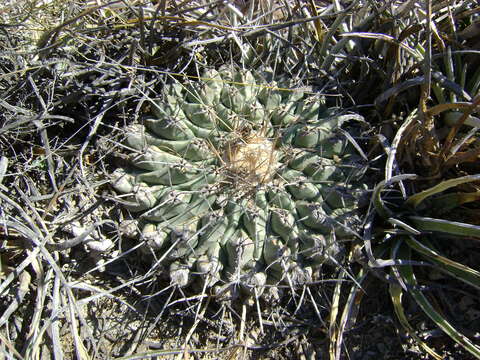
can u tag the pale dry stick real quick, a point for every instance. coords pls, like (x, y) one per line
(267, 15)
(242, 323)
(315, 307)
(343, 26)
(48, 322)
(67, 244)
(28, 234)
(153, 325)
(108, 292)
(3, 167)
(404, 8)
(333, 331)
(23, 214)
(10, 347)
(3, 171)
(242, 330)
(43, 329)
(125, 253)
(33, 260)
(222, 322)
(302, 298)
(259, 311)
(184, 355)
(15, 110)
(163, 353)
(38, 240)
(96, 123)
(30, 348)
(44, 136)
(55, 332)
(74, 310)
(15, 125)
(24, 279)
(19, 269)
(347, 312)
(93, 289)
(80, 350)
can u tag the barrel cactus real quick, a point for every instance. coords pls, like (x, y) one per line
(235, 179)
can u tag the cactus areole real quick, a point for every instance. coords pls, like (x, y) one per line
(242, 183)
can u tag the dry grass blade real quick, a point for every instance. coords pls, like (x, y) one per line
(53, 34)
(350, 309)
(56, 340)
(396, 294)
(172, 352)
(415, 54)
(449, 141)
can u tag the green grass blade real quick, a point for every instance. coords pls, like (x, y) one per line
(445, 226)
(457, 270)
(416, 199)
(380, 206)
(396, 296)
(443, 324)
(406, 272)
(474, 82)
(444, 203)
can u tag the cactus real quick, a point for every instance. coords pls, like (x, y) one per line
(235, 179)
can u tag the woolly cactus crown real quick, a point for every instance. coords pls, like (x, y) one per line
(239, 182)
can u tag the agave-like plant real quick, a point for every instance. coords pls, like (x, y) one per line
(425, 223)
(420, 227)
(240, 179)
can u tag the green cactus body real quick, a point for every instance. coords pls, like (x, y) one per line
(239, 182)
